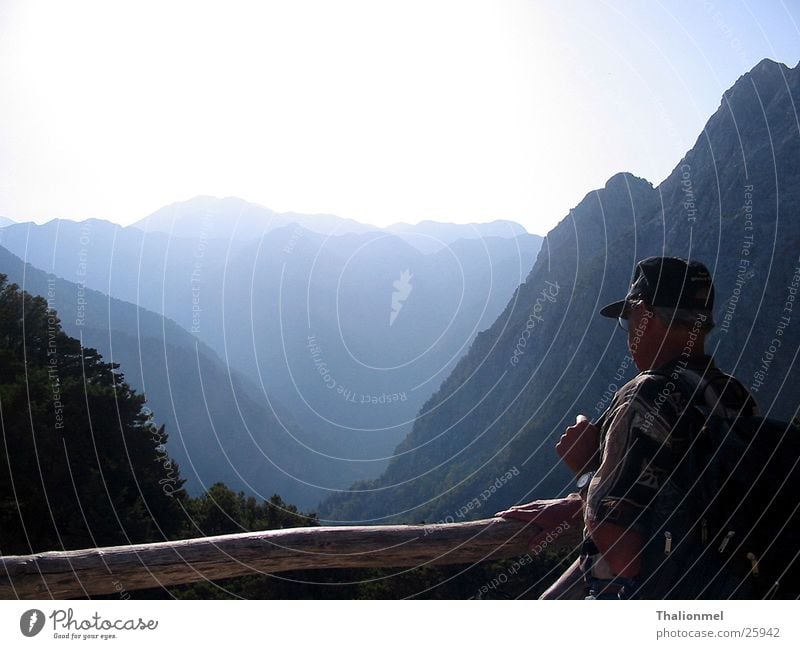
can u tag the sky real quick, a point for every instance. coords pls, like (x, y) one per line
(456, 111)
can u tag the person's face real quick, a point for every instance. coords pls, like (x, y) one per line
(643, 342)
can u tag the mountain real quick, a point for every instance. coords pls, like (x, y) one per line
(238, 220)
(430, 236)
(331, 330)
(5, 221)
(220, 428)
(314, 320)
(235, 219)
(125, 263)
(485, 439)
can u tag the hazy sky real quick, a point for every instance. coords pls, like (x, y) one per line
(380, 111)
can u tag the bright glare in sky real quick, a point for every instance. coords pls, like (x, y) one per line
(379, 111)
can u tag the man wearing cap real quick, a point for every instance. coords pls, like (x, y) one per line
(666, 314)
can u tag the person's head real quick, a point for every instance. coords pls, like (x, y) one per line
(667, 311)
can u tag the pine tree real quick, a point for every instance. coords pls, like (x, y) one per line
(81, 462)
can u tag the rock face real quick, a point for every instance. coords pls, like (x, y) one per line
(731, 202)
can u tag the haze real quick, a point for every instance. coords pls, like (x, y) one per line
(382, 112)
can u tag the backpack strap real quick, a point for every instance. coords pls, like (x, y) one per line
(720, 394)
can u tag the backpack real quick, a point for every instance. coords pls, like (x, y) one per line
(726, 521)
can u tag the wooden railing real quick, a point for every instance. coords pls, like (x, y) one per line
(97, 571)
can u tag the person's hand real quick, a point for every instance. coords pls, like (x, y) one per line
(579, 445)
(547, 514)
(621, 547)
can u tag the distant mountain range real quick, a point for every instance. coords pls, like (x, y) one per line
(431, 236)
(732, 202)
(310, 320)
(239, 220)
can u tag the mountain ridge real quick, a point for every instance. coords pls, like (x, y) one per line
(257, 220)
(500, 415)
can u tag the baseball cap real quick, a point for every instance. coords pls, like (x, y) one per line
(669, 282)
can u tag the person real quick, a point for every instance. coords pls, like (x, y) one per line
(667, 314)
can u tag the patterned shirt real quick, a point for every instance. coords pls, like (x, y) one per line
(646, 419)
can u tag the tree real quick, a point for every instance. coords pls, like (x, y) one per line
(81, 462)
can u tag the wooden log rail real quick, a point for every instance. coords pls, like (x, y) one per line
(98, 571)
